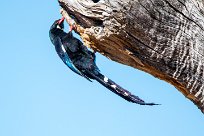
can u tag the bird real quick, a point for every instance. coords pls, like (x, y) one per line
(82, 61)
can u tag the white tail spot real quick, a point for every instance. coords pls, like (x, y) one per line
(126, 94)
(113, 86)
(105, 79)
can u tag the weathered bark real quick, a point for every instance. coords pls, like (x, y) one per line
(162, 37)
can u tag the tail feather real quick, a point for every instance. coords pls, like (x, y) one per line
(115, 88)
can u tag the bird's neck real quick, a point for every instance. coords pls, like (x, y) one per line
(57, 32)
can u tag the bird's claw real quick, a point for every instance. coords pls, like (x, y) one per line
(72, 27)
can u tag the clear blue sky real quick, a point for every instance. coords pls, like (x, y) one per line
(40, 96)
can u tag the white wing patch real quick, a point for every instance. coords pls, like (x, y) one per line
(63, 49)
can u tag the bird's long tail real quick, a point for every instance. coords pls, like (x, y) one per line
(112, 86)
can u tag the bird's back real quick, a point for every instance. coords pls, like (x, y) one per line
(81, 57)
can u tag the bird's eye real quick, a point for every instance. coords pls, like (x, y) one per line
(58, 27)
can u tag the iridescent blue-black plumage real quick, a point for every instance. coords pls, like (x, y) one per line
(82, 61)
(71, 50)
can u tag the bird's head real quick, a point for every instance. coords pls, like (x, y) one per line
(58, 24)
(56, 29)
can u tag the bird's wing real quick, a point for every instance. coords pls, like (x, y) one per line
(66, 59)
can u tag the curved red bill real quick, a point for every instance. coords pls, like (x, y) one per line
(61, 20)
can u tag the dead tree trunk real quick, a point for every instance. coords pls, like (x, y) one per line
(162, 37)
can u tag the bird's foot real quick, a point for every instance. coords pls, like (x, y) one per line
(72, 27)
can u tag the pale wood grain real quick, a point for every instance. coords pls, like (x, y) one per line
(162, 37)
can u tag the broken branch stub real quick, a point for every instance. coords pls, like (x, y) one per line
(162, 37)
